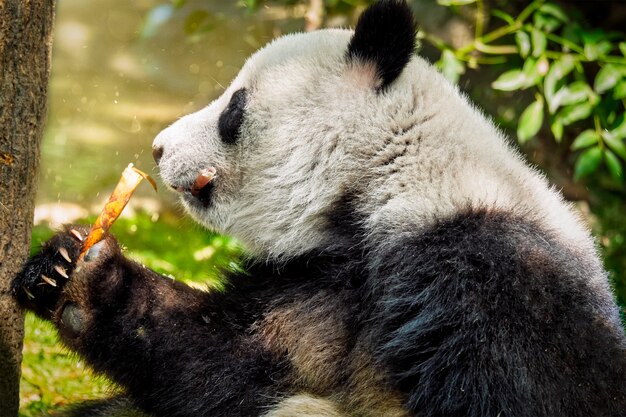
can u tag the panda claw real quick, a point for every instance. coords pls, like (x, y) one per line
(28, 293)
(61, 271)
(76, 234)
(49, 280)
(65, 255)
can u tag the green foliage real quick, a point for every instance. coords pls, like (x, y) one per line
(577, 74)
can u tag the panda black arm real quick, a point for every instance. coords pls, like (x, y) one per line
(488, 315)
(176, 350)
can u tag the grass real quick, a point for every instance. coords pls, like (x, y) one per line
(52, 376)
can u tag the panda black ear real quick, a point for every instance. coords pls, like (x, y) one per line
(384, 36)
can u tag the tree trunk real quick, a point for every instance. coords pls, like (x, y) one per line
(25, 40)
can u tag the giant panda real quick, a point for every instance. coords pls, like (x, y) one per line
(403, 259)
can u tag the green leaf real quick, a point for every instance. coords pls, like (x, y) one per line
(558, 70)
(594, 51)
(573, 113)
(574, 93)
(554, 10)
(455, 2)
(557, 129)
(523, 43)
(450, 66)
(596, 43)
(585, 139)
(622, 47)
(615, 144)
(614, 166)
(619, 131)
(510, 80)
(615, 137)
(606, 78)
(619, 92)
(539, 42)
(587, 162)
(534, 70)
(530, 121)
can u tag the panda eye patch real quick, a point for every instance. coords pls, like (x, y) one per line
(231, 118)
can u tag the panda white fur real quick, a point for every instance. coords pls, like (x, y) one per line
(404, 259)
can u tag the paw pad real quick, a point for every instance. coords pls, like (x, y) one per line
(94, 251)
(73, 319)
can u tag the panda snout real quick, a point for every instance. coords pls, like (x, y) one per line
(159, 143)
(157, 153)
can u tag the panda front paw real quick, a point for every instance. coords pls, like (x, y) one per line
(44, 276)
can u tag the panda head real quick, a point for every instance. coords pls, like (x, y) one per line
(273, 158)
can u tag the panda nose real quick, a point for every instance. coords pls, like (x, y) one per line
(157, 153)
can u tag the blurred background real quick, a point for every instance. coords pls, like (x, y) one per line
(551, 73)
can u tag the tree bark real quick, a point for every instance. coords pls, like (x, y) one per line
(25, 41)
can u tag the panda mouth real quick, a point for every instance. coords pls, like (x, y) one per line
(203, 181)
(202, 187)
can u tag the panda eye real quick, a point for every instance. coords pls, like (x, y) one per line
(231, 118)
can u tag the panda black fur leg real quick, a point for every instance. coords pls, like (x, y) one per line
(177, 351)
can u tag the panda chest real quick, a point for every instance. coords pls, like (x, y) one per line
(312, 334)
(318, 337)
